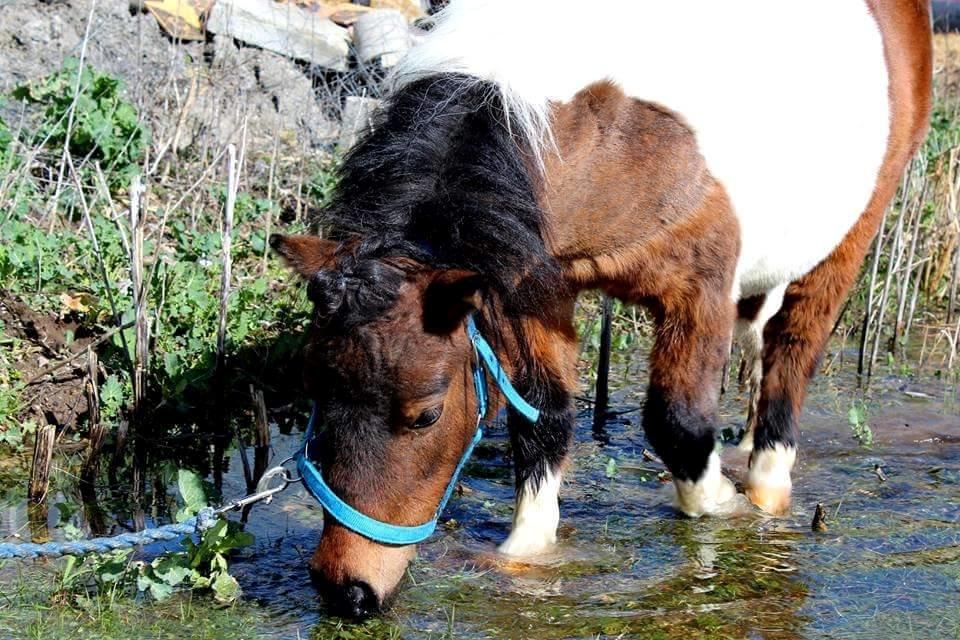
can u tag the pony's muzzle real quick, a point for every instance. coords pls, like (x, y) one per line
(352, 600)
(355, 576)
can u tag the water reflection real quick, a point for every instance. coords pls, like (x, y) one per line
(626, 564)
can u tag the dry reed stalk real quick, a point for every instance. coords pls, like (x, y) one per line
(42, 460)
(107, 284)
(893, 265)
(905, 313)
(261, 439)
(71, 112)
(268, 214)
(261, 420)
(115, 213)
(602, 395)
(954, 286)
(954, 345)
(226, 231)
(97, 431)
(141, 353)
(913, 228)
(874, 268)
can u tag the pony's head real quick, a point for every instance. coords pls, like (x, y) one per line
(389, 365)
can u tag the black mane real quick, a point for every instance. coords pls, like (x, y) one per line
(441, 180)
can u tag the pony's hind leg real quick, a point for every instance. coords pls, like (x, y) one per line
(796, 336)
(794, 339)
(540, 451)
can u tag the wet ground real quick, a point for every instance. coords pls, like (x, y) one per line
(627, 565)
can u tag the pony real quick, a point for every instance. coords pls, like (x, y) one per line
(723, 164)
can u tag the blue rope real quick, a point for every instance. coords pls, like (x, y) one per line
(205, 519)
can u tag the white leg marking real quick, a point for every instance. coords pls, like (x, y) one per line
(750, 339)
(768, 481)
(712, 494)
(536, 518)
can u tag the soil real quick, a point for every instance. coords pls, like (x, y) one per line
(58, 398)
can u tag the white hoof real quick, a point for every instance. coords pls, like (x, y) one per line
(768, 482)
(522, 543)
(712, 494)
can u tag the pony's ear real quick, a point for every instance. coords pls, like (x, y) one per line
(451, 295)
(305, 254)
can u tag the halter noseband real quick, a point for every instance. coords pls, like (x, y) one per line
(384, 532)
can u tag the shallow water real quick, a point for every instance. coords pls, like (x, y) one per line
(627, 565)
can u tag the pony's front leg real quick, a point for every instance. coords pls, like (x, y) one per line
(540, 450)
(679, 415)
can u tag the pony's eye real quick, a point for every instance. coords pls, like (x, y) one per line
(427, 418)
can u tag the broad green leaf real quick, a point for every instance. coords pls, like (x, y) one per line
(157, 588)
(191, 490)
(225, 587)
(176, 574)
(112, 570)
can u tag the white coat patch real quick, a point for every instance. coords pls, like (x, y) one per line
(788, 99)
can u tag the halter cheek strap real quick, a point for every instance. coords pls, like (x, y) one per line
(492, 365)
(395, 534)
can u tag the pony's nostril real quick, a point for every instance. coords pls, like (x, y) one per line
(362, 600)
(355, 599)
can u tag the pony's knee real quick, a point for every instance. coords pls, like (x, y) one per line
(536, 517)
(711, 494)
(768, 480)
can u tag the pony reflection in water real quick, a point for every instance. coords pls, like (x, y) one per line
(723, 164)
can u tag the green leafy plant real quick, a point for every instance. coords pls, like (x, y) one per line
(201, 566)
(6, 145)
(611, 470)
(857, 417)
(12, 429)
(86, 111)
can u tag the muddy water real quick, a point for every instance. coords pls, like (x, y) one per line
(628, 566)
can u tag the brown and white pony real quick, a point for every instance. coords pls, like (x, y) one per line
(724, 164)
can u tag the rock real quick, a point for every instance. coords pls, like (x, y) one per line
(283, 28)
(411, 9)
(382, 34)
(291, 93)
(357, 120)
(268, 92)
(232, 66)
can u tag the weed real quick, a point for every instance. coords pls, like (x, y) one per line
(85, 111)
(610, 469)
(200, 566)
(857, 417)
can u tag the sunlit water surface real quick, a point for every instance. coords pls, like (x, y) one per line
(627, 565)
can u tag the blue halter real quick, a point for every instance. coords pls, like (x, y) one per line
(385, 532)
